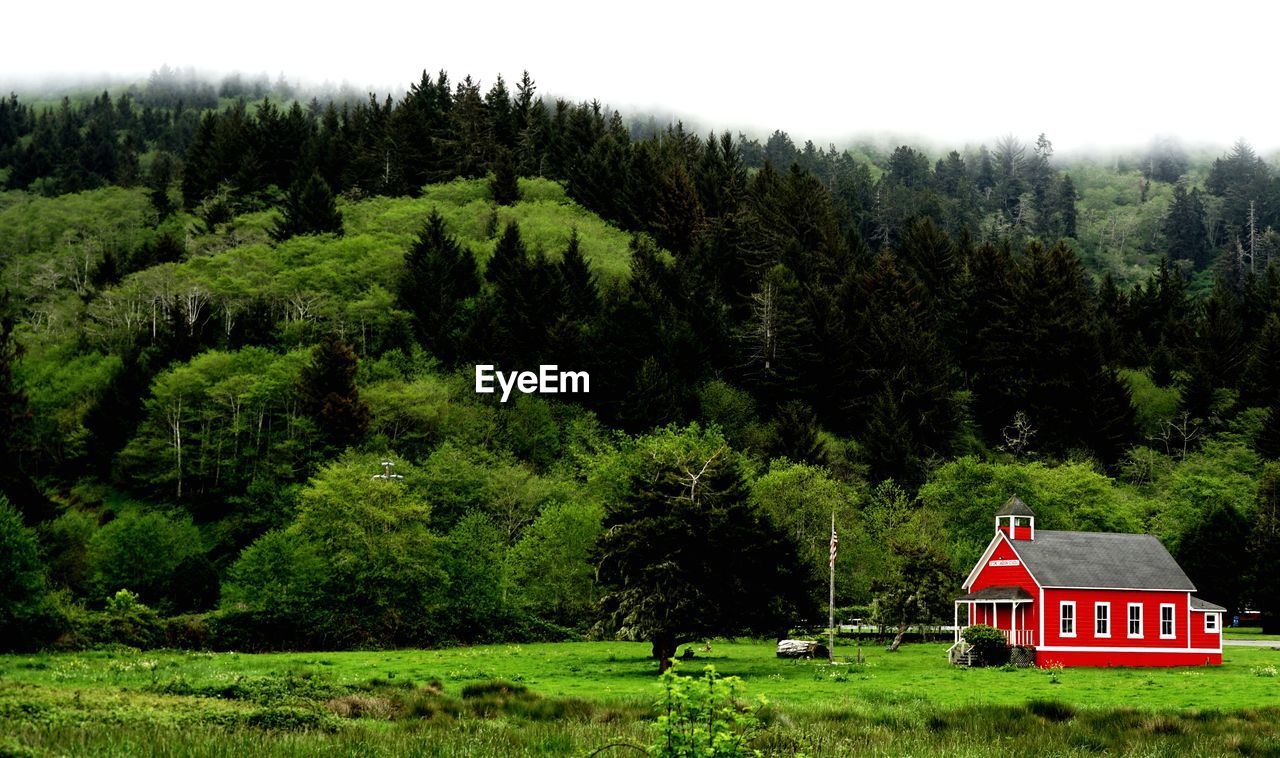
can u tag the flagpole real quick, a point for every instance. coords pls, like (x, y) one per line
(831, 605)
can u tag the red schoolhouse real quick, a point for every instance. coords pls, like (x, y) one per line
(1087, 598)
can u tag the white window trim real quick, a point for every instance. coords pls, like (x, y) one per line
(1129, 621)
(1097, 607)
(1215, 627)
(1173, 621)
(1063, 605)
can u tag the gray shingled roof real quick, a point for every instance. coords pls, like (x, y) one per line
(1015, 507)
(1204, 605)
(1101, 559)
(988, 594)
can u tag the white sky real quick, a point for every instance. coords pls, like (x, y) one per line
(1090, 74)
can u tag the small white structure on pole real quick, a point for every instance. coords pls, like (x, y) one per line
(386, 474)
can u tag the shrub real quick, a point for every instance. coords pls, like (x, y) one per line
(256, 631)
(143, 551)
(189, 632)
(990, 646)
(702, 717)
(493, 687)
(22, 581)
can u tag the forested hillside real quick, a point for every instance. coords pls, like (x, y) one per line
(227, 306)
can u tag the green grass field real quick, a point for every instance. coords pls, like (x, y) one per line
(583, 695)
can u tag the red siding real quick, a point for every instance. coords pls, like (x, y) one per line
(1199, 637)
(1006, 576)
(1119, 600)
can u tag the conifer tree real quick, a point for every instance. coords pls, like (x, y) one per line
(798, 434)
(16, 427)
(1267, 441)
(1262, 376)
(581, 294)
(1264, 546)
(158, 180)
(329, 394)
(1184, 227)
(1039, 355)
(503, 186)
(439, 276)
(1066, 211)
(309, 208)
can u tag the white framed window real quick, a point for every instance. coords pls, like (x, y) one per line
(1067, 618)
(1135, 620)
(1168, 627)
(1211, 623)
(1102, 619)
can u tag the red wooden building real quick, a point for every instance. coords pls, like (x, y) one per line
(1087, 598)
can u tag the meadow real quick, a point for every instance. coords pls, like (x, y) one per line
(571, 698)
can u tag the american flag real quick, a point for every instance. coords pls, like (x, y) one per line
(835, 540)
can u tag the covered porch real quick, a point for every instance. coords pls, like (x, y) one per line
(1007, 608)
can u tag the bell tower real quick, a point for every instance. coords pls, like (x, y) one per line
(1016, 520)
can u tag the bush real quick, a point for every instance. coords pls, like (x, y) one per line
(22, 581)
(189, 632)
(701, 717)
(256, 631)
(990, 647)
(126, 621)
(142, 551)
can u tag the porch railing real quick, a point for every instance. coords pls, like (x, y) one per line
(1020, 638)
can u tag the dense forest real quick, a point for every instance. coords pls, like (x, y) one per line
(240, 325)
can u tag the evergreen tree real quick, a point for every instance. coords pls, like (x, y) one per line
(1039, 355)
(17, 444)
(503, 186)
(798, 434)
(329, 394)
(309, 208)
(22, 581)
(684, 554)
(1264, 549)
(1184, 228)
(439, 276)
(1261, 380)
(582, 297)
(1066, 207)
(158, 180)
(1267, 441)
(1210, 554)
(897, 380)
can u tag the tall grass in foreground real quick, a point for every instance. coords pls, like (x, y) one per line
(1038, 728)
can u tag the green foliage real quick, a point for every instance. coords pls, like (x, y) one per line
(280, 572)
(801, 500)
(989, 644)
(685, 554)
(551, 569)
(142, 551)
(215, 424)
(702, 717)
(1153, 406)
(382, 563)
(966, 492)
(309, 208)
(22, 580)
